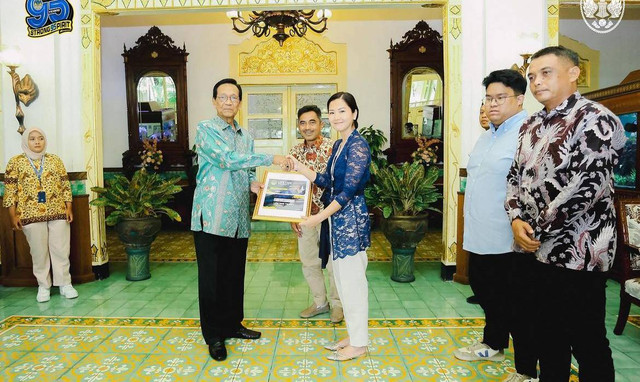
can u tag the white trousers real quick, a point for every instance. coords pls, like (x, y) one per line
(50, 249)
(309, 248)
(353, 288)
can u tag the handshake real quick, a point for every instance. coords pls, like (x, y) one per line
(287, 163)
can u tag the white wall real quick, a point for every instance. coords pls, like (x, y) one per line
(53, 62)
(495, 33)
(618, 48)
(208, 61)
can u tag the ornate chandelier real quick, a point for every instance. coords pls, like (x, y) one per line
(261, 23)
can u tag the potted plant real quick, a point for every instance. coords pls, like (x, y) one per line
(376, 140)
(137, 205)
(404, 193)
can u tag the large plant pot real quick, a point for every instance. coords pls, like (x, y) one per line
(137, 236)
(404, 233)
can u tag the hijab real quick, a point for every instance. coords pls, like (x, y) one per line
(25, 144)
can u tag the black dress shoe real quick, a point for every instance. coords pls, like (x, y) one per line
(217, 350)
(473, 300)
(245, 333)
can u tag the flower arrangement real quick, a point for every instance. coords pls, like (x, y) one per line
(150, 155)
(426, 152)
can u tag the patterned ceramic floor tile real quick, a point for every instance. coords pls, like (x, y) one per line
(181, 341)
(381, 342)
(308, 342)
(132, 340)
(9, 357)
(177, 246)
(73, 340)
(374, 368)
(442, 369)
(26, 338)
(39, 367)
(163, 350)
(170, 368)
(238, 370)
(265, 345)
(104, 367)
(424, 341)
(303, 369)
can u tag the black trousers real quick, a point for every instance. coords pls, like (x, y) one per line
(572, 321)
(221, 269)
(503, 284)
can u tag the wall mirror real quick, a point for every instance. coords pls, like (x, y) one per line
(417, 107)
(156, 81)
(422, 103)
(157, 107)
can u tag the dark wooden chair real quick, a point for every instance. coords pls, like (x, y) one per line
(628, 258)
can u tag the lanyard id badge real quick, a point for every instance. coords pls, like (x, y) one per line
(42, 196)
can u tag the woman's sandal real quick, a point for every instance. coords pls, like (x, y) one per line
(334, 346)
(338, 345)
(337, 356)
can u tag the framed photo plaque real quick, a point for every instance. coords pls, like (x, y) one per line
(286, 197)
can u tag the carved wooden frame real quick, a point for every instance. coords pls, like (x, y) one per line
(156, 51)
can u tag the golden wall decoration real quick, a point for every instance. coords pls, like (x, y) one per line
(298, 55)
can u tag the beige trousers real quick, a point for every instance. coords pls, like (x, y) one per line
(308, 247)
(50, 246)
(353, 288)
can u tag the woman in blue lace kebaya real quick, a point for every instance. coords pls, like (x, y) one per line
(344, 181)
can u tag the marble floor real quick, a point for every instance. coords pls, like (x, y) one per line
(119, 330)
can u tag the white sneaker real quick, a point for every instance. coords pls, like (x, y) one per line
(68, 291)
(517, 377)
(44, 294)
(478, 352)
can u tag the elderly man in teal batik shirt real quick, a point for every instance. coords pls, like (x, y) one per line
(220, 217)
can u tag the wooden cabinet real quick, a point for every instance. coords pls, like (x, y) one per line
(417, 107)
(462, 257)
(16, 258)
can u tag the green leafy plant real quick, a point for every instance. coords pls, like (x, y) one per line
(403, 190)
(376, 139)
(146, 194)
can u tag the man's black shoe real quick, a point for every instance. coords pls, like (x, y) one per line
(473, 300)
(245, 333)
(217, 350)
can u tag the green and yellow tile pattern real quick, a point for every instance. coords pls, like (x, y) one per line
(153, 349)
(279, 246)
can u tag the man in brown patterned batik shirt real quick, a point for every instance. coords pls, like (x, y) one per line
(314, 152)
(560, 202)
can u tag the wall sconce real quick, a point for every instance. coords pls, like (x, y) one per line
(525, 64)
(24, 90)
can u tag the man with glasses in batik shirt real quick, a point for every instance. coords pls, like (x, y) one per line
(220, 217)
(314, 153)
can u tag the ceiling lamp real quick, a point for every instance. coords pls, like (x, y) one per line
(261, 22)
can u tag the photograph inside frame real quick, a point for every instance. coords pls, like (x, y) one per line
(285, 197)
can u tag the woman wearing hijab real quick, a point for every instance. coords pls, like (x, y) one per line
(38, 195)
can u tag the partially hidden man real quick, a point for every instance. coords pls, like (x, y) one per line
(314, 153)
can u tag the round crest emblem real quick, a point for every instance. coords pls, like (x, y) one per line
(602, 16)
(37, 5)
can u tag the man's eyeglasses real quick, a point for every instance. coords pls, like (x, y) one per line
(223, 98)
(500, 100)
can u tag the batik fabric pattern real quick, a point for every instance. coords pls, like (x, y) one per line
(315, 156)
(226, 169)
(22, 187)
(561, 183)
